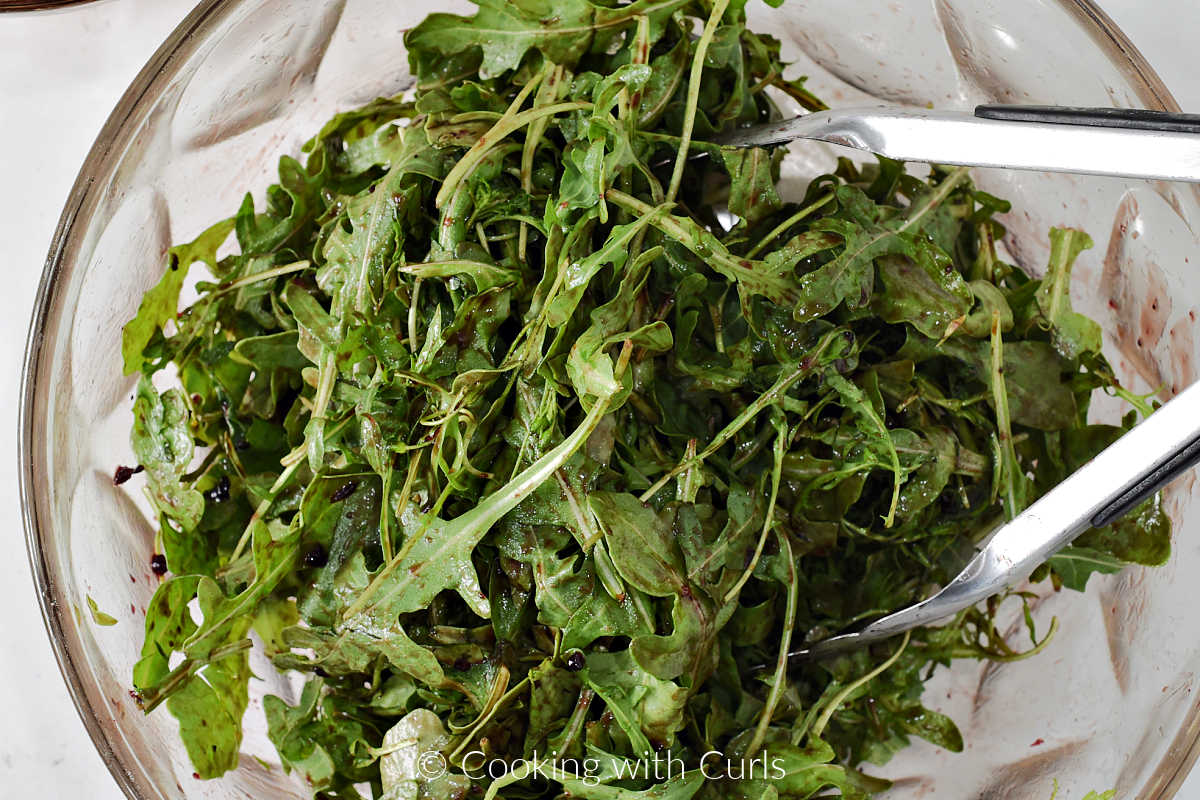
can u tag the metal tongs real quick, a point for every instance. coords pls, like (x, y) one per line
(1130, 470)
(1128, 143)
(1097, 141)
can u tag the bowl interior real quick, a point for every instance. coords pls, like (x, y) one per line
(243, 81)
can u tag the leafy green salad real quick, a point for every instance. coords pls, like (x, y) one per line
(528, 431)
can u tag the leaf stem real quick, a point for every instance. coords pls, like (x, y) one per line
(1010, 476)
(942, 191)
(495, 701)
(789, 222)
(263, 507)
(186, 669)
(553, 78)
(693, 96)
(779, 682)
(776, 473)
(830, 707)
(503, 127)
(265, 275)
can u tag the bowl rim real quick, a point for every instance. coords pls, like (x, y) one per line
(15, 6)
(97, 169)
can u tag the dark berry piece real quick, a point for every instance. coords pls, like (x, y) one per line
(575, 661)
(125, 473)
(220, 492)
(344, 491)
(316, 556)
(158, 564)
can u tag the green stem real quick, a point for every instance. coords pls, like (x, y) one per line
(263, 508)
(1021, 656)
(265, 275)
(779, 684)
(186, 669)
(385, 517)
(789, 222)
(1010, 476)
(776, 473)
(327, 377)
(575, 722)
(503, 127)
(819, 726)
(701, 242)
(693, 95)
(1138, 401)
(953, 179)
(548, 91)
(495, 704)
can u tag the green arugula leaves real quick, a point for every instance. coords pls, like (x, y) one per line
(513, 430)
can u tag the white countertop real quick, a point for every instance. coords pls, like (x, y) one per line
(60, 74)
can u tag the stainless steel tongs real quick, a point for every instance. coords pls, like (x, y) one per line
(1131, 469)
(1129, 143)
(1097, 141)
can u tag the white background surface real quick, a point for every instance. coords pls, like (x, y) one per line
(60, 75)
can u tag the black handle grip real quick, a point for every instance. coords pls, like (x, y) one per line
(1159, 477)
(1137, 118)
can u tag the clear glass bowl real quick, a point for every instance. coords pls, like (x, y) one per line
(38, 5)
(1109, 705)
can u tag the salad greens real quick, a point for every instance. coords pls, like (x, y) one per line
(523, 420)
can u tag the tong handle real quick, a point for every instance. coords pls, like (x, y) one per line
(1127, 118)
(1180, 462)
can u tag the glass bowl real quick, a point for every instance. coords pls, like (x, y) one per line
(39, 5)
(1108, 706)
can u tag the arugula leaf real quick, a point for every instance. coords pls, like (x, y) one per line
(162, 442)
(753, 172)
(640, 543)
(510, 29)
(1142, 536)
(850, 276)
(419, 732)
(645, 707)
(683, 787)
(1074, 565)
(160, 303)
(1074, 334)
(208, 697)
(98, 616)
(209, 708)
(793, 771)
(504, 31)
(438, 554)
(924, 290)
